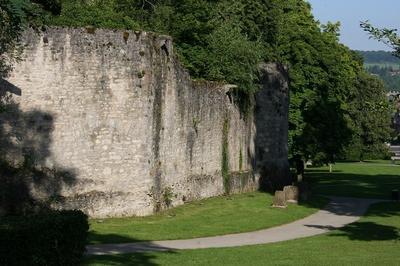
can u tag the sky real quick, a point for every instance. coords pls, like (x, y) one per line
(380, 13)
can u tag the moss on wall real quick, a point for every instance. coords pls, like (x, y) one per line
(225, 156)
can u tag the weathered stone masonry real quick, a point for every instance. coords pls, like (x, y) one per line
(124, 117)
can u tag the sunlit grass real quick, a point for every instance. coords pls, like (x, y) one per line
(215, 216)
(373, 240)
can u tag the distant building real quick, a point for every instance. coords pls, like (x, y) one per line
(393, 95)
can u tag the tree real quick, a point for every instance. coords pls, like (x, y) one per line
(11, 21)
(322, 76)
(385, 35)
(14, 17)
(371, 117)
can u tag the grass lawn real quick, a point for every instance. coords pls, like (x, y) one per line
(372, 179)
(373, 240)
(215, 216)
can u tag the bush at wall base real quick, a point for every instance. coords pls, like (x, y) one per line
(51, 238)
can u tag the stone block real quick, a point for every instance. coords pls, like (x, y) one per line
(279, 200)
(291, 194)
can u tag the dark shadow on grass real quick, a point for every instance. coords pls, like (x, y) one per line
(135, 252)
(317, 170)
(136, 259)
(353, 207)
(377, 186)
(95, 238)
(315, 202)
(364, 231)
(369, 231)
(388, 209)
(121, 259)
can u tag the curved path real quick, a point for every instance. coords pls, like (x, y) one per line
(338, 213)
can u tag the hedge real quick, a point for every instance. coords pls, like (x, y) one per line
(53, 238)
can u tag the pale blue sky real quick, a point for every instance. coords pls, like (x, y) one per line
(381, 13)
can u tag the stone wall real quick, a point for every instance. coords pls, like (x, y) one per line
(271, 118)
(120, 125)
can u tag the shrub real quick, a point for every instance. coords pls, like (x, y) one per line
(51, 238)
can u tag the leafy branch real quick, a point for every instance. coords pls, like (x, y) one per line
(385, 35)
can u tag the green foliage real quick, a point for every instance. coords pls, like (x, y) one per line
(384, 65)
(52, 238)
(389, 74)
(371, 118)
(240, 160)
(15, 15)
(385, 35)
(322, 75)
(96, 13)
(233, 57)
(141, 74)
(11, 23)
(168, 195)
(211, 45)
(54, 6)
(225, 157)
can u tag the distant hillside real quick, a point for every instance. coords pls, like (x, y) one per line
(379, 57)
(384, 65)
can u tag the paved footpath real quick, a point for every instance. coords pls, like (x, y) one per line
(338, 213)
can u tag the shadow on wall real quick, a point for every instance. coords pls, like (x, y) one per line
(272, 125)
(27, 181)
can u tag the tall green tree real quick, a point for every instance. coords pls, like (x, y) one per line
(322, 74)
(371, 117)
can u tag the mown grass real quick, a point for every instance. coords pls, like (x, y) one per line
(373, 240)
(371, 179)
(210, 217)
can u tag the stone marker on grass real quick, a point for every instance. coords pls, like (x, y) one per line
(291, 194)
(279, 200)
